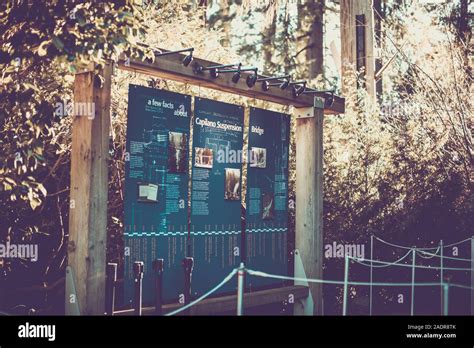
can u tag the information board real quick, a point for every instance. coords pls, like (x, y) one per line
(156, 188)
(267, 195)
(216, 193)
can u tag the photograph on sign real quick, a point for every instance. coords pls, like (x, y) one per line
(232, 184)
(177, 152)
(258, 157)
(268, 209)
(204, 157)
(147, 192)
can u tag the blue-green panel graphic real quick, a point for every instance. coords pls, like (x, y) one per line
(216, 193)
(156, 188)
(267, 195)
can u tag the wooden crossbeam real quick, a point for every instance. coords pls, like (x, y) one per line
(228, 304)
(170, 67)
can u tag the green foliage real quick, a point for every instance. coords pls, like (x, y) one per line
(405, 172)
(34, 35)
(404, 169)
(42, 44)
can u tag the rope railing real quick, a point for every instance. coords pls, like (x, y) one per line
(443, 256)
(426, 253)
(388, 265)
(421, 253)
(416, 248)
(413, 251)
(333, 282)
(445, 286)
(361, 261)
(207, 294)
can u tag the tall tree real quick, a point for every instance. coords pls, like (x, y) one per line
(357, 43)
(310, 37)
(222, 19)
(379, 16)
(315, 53)
(268, 47)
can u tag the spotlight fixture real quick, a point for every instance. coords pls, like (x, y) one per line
(236, 76)
(186, 60)
(285, 83)
(327, 100)
(214, 69)
(252, 79)
(297, 90)
(266, 82)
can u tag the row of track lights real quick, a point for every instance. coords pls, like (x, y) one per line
(283, 82)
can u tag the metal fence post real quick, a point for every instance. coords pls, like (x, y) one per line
(446, 299)
(110, 288)
(413, 263)
(441, 272)
(371, 273)
(240, 288)
(346, 280)
(138, 273)
(158, 267)
(188, 264)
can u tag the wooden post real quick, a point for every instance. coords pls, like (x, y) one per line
(89, 188)
(309, 195)
(350, 27)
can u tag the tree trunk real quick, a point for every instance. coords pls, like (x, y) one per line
(378, 19)
(315, 53)
(225, 15)
(357, 44)
(268, 47)
(465, 33)
(310, 38)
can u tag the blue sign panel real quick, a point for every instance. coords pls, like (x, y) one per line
(156, 188)
(267, 195)
(216, 193)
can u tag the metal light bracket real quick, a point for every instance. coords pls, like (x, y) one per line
(309, 112)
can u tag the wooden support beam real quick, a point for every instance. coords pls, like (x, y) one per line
(309, 196)
(170, 67)
(228, 304)
(89, 188)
